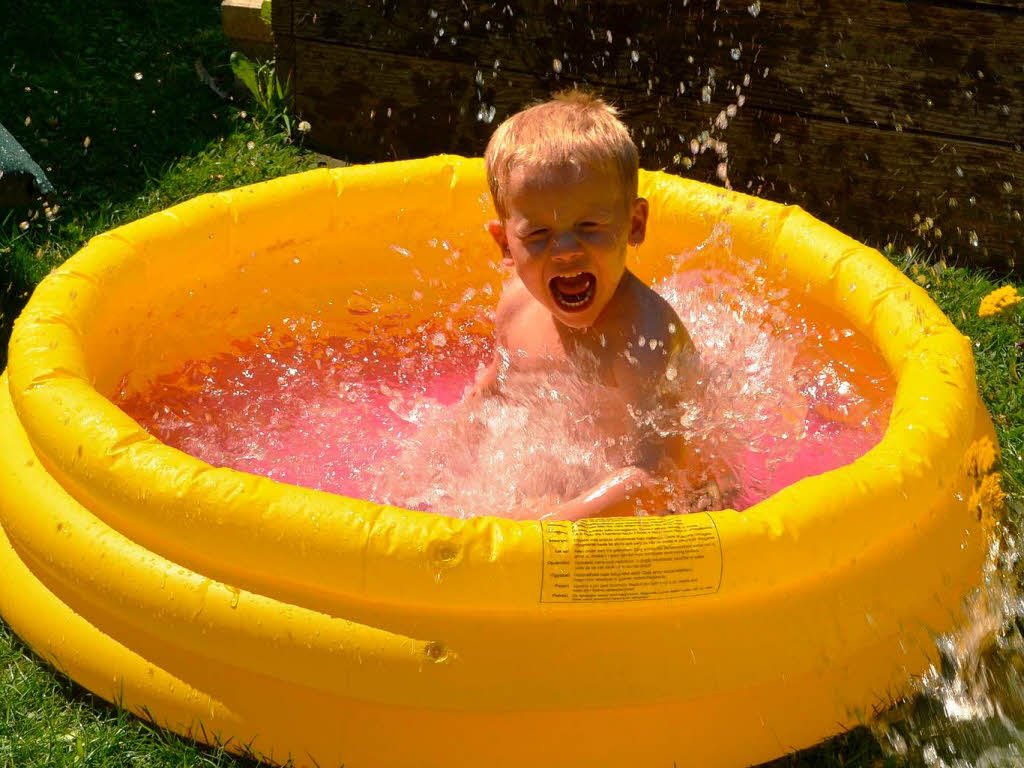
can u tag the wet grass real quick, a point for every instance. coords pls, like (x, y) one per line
(152, 142)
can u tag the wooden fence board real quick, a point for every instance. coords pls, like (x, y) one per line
(868, 101)
(920, 66)
(374, 105)
(1011, 5)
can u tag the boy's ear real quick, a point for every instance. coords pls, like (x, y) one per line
(638, 221)
(497, 230)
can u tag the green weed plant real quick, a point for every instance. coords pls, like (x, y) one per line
(272, 97)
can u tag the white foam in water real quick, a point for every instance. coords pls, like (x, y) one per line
(775, 398)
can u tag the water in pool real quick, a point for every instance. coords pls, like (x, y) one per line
(778, 396)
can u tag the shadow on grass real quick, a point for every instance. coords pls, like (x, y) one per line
(105, 97)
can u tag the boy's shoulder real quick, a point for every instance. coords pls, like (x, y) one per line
(514, 297)
(653, 325)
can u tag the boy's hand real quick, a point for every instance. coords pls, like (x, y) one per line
(707, 499)
(717, 493)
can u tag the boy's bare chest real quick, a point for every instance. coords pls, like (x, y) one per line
(536, 344)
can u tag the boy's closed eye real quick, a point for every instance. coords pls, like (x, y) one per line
(531, 231)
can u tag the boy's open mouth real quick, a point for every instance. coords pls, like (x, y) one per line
(573, 293)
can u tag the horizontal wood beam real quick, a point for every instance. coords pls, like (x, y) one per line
(877, 184)
(909, 66)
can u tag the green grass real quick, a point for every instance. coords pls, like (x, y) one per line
(998, 351)
(46, 720)
(71, 68)
(69, 71)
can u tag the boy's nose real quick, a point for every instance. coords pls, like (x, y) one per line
(566, 246)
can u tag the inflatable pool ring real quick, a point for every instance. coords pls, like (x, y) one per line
(240, 610)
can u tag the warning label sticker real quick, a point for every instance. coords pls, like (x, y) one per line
(617, 559)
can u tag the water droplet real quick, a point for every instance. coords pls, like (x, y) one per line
(754, 9)
(486, 113)
(435, 651)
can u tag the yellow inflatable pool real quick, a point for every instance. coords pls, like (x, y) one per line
(239, 610)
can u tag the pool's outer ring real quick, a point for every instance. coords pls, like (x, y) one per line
(309, 624)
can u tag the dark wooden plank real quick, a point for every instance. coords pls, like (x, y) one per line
(370, 105)
(1010, 5)
(915, 66)
(281, 14)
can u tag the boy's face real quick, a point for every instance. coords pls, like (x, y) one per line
(566, 233)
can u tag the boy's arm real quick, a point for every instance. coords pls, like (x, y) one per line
(621, 494)
(488, 380)
(639, 487)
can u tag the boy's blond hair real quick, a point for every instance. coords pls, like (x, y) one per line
(575, 129)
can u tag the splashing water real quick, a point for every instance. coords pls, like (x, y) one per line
(968, 711)
(777, 397)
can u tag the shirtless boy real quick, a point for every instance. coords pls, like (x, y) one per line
(563, 176)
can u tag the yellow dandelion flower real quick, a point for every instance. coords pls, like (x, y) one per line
(974, 504)
(987, 501)
(999, 300)
(991, 493)
(988, 519)
(980, 458)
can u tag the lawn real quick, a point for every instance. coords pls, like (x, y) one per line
(112, 107)
(108, 99)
